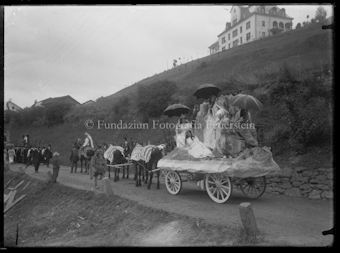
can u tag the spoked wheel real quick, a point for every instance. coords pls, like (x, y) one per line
(219, 187)
(173, 182)
(253, 187)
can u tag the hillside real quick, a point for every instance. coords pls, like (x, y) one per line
(308, 46)
(254, 68)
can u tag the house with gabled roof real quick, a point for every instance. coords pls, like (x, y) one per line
(251, 23)
(65, 99)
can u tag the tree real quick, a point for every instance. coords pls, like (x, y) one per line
(54, 113)
(298, 26)
(320, 14)
(154, 98)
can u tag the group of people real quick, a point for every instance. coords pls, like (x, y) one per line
(214, 131)
(33, 155)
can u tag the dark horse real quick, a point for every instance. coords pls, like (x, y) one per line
(156, 154)
(118, 158)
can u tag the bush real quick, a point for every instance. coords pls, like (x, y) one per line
(296, 113)
(202, 65)
(154, 99)
(55, 113)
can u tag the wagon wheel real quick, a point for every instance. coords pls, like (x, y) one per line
(253, 187)
(173, 182)
(219, 187)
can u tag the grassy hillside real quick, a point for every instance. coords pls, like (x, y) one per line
(256, 68)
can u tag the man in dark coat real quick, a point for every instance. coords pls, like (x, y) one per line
(74, 158)
(48, 155)
(36, 159)
(28, 155)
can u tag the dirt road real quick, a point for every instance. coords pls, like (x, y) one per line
(283, 220)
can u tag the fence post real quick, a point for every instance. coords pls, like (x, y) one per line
(248, 219)
(107, 187)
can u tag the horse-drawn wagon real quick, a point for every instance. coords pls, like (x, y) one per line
(217, 176)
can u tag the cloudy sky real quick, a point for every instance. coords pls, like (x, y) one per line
(92, 51)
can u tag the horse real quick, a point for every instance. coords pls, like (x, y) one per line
(116, 155)
(138, 163)
(152, 154)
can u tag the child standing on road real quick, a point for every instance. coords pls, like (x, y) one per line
(56, 167)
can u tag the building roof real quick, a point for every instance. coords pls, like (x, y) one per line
(245, 14)
(88, 102)
(67, 98)
(214, 44)
(13, 104)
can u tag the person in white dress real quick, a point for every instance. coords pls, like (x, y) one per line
(209, 132)
(181, 127)
(196, 148)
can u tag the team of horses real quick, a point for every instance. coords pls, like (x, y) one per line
(143, 170)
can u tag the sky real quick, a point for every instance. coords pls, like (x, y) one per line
(92, 51)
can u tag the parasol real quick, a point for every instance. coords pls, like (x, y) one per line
(176, 110)
(206, 90)
(246, 102)
(9, 145)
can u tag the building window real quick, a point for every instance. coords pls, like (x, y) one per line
(273, 11)
(235, 33)
(223, 48)
(280, 25)
(13, 108)
(229, 45)
(263, 23)
(247, 25)
(275, 24)
(235, 21)
(248, 36)
(223, 40)
(229, 36)
(287, 26)
(241, 29)
(235, 43)
(263, 34)
(241, 40)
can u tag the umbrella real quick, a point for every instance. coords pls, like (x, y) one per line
(176, 110)
(206, 90)
(9, 145)
(246, 102)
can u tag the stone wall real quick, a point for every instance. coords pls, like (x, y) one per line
(301, 182)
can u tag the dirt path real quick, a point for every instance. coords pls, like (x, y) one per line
(283, 220)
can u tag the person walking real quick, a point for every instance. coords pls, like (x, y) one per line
(36, 159)
(48, 155)
(98, 164)
(56, 166)
(29, 156)
(74, 158)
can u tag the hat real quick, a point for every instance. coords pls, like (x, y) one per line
(56, 154)
(99, 151)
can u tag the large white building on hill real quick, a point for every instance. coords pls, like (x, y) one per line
(251, 23)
